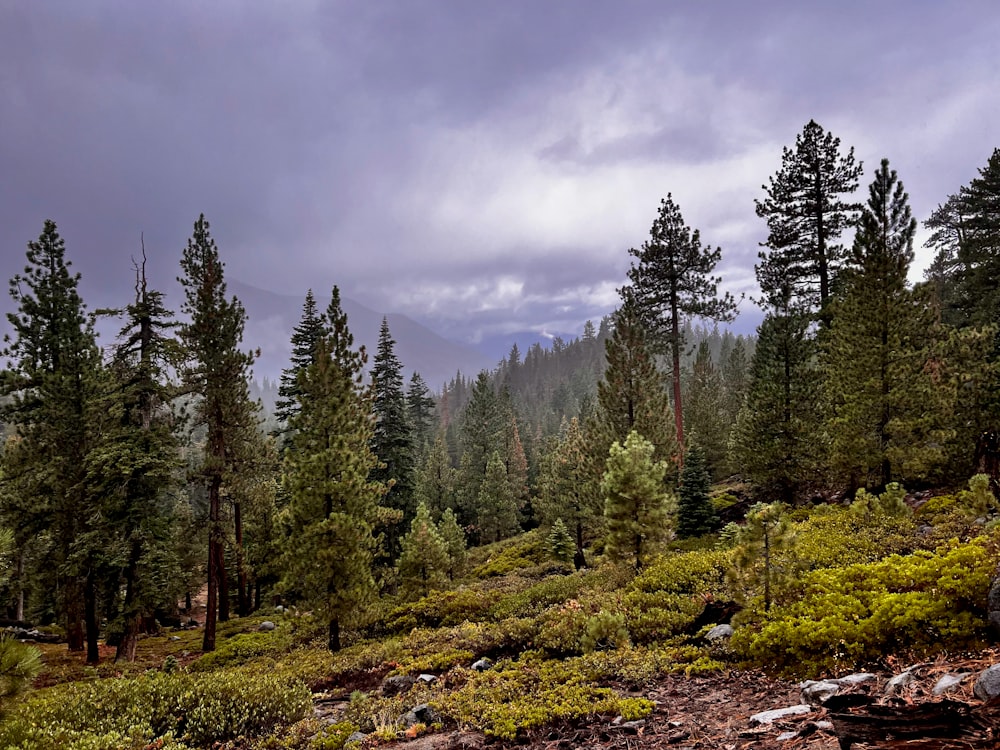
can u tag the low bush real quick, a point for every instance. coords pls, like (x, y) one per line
(520, 695)
(178, 709)
(851, 617)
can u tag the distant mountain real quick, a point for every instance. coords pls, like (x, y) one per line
(272, 317)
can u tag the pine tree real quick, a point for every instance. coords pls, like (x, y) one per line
(454, 541)
(517, 466)
(424, 561)
(806, 214)
(52, 382)
(436, 479)
(774, 442)
(217, 372)
(305, 336)
(636, 504)
(695, 515)
(672, 282)
(880, 395)
(420, 406)
(496, 507)
(767, 532)
(135, 467)
(392, 441)
(706, 414)
(559, 542)
(565, 491)
(978, 263)
(484, 423)
(333, 504)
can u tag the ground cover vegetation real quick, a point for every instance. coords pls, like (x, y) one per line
(573, 523)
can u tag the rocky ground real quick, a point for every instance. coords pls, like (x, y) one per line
(744, 710)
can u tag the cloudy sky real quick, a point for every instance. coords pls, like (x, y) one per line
(482, 166)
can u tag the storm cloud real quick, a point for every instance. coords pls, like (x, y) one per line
(482, 167)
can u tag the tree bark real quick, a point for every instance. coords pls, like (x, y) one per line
(130, 636)
(90, 614)
(333, 637)
(212, 606)
(74, 616)
(243, 598)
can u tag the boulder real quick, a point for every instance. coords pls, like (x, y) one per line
(421, 714)
(266, 626)
(899, 682)
(357, 737)
(427, 679)
(769, 717)
(397, 684)
(818, 692)
(857, 678)
(947, 683)
(988, 683)
(718, 633)
(482, 665)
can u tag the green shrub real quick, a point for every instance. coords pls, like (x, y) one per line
(851, 617)
(521, 552)
(242, 647)
(605, 630)
(132, 712)
(519, 695)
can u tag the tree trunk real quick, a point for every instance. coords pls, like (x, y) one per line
(223, 581)
(243, 598)
(579, 561)
(90, 613)
(212, 606)
(130, 636)
(987, 458)
(675, 351)
(333, 638)
(74, 616)
(256, 594)
(20, 586)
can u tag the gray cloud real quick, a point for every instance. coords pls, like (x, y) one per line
(481, 166)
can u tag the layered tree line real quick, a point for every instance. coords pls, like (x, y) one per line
(138, 476)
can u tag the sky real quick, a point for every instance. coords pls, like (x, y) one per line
(482, 166)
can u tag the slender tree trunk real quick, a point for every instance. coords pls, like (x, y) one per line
(256, 594)
(675, 351)
(243, 598)
(223, 581)
(212, 606)
(333, 637)
(579, 561)
(74, 615)
(767, 569)
(90, 610)
(20, 585)
(130, 636)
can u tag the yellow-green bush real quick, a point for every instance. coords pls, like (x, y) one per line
(520, 553)
(666, 598)
(178, 708)
(852, 616)
(243, 647)
(440, 608)
(527, 693)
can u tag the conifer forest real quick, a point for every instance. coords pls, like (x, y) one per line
(517, 550)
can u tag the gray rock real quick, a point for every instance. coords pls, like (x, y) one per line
(397, 684)
(769, 717)
(988, 683)
(266, 626)
(279, 608)
(482, 665)
(174, 638)
(857, 678)
(718, 633)
(785, 736)
(947, 683)
(899, 682)
(818, 692)
(357, 737)
(421, 714)
(427, 678)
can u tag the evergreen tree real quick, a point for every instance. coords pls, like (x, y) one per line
(565, 490)
(672, 282)
(695, 514)
(51, 383)
(559, 542)
(978, 262)
(517, 466)
(636, 504)
(436, 479)
(706, 410)
(774, 442)
(483, 432)
(135, 466)
(305, 336)
(420, 408)
(497, 506)
(878, 388)
(217, 372)
(392, 441)
(333, 504)
(424, 561)
(767, 532)
(454, 541)
(806, 213)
